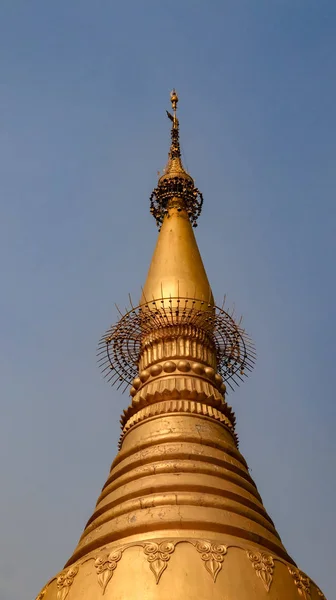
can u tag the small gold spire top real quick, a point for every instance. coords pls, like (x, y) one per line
(175, 181)
(174, 99)
(174, 166)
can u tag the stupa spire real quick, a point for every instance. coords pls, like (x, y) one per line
(179, 515)
(176, 268)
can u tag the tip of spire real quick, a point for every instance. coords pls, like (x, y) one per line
(175, 181)
(174, 166)
(174, 99)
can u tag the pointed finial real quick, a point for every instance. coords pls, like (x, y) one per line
(174, 99)
(175, 181)
(175, 151)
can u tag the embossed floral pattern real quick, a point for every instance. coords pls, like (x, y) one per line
(213, 556)
(264, 565)
(105, 566)
(302, 583)
(65, 581)
(158, 556)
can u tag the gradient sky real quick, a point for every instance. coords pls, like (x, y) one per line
(83, 90)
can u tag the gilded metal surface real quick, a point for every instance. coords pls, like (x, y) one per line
(264, 566)
(302, 583)
(212, 555)
(154, 328)
(105, 566)
(220, 560)
(179, 469)
(158, 556)
(177, 406)
(179, 515)
(176, 385)
(180, 341)
(65, 581)
(176, 269)
(175, 188)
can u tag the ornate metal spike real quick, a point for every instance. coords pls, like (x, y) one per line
(121, 345)
(175, 187)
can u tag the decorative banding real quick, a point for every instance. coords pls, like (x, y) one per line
(212, 552)
(135, 464)
(136, 382)
(120, 349)
(178, 406)
(198, 368)
(175, 349)
(177, 341)
(155, 370)
(191, 495)
(183, 366)
(163, 444)
(176, 386)
(169, 366)
(88, 545)
(190, 499)
(144, 376)
(210, 373)
(178, 389)
(194, 466)
(195, 369)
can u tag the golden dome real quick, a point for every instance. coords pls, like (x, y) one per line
(179, 515)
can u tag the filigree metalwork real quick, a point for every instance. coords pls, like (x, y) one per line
(105, 567)
(212, 555)
(65, 581)
(158, 556)
(302, 583)
(119, 348)
(176, 187)
(263, 565)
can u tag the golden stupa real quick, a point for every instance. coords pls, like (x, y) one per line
(179, 517)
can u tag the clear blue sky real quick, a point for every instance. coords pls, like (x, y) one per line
(83, 91)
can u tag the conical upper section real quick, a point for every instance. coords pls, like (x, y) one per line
(177, 268)
(179, 515)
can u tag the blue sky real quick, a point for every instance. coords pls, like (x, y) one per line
(83, 91)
